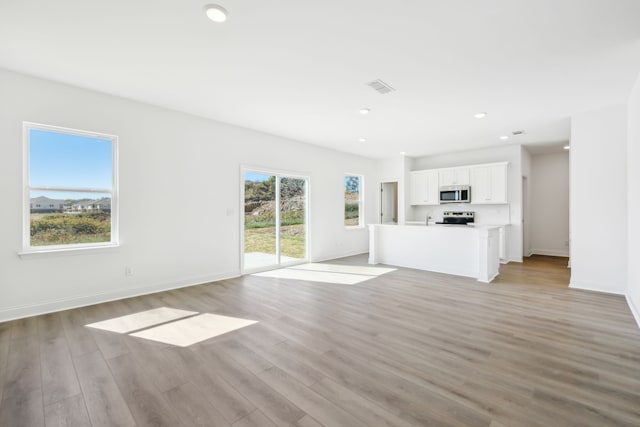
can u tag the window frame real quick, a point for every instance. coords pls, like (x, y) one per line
(27, 188)
(361, 223)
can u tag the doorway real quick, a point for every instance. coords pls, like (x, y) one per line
(388, 203)
(526, 246)
(274, 228)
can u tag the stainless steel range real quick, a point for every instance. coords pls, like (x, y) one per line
(457, 218)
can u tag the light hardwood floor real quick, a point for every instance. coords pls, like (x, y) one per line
(406, 348)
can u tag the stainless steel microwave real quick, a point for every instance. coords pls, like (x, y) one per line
(455, 194)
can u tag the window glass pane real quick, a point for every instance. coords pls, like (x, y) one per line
(259, 220)
(62, 160)
(351, 200)
(292, 216)
(62, 218)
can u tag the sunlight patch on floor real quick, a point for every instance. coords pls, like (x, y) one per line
(327, 273)
(141, 320)
(349, 269)
(186, 332)
(172, 326)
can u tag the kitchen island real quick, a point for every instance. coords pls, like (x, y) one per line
(471, 251)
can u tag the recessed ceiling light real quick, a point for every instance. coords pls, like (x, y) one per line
(365, 111)
(480, 115)
(402, 153)
(567, 147)
(503, 137)
(216, 12)
(363, 140)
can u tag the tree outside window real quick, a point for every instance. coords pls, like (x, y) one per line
(353, 201)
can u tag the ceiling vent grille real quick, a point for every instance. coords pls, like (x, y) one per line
(517, 132)
(380, 87)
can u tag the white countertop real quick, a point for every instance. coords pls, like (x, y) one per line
(456, 226)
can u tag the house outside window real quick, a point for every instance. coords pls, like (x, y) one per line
(353, 201)
(63, 169)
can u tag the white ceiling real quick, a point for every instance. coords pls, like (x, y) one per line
(299, 68)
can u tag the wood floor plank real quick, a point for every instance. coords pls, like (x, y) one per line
(22, 410)
(307, 421)
(105, 405)
(275, 406)
(406, 348)
(148, 406)
(79, 337)
(59, 379)
(314, 404)
(69, 412)
(5, 340)
(246, 357)
(280, 357)
(50, 326)
(192, 408)
(110, 344)
(23, 368)
(363, 409)
(24, 327)
(222, 395)
(254, 419)
(149, 355)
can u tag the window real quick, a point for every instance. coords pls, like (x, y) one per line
(65, 171)
(353, 201)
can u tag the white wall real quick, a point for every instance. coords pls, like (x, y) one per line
(187, 166)
(393, 170)
(526, 202)
(598, 200)
(633, 191)
(549, 204)
(485, 214)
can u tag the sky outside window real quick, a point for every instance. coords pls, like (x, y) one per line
(64, 160)
(256, 177)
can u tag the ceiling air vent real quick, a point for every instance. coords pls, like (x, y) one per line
(380, 86)
(517, 132)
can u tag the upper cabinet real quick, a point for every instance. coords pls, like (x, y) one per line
(489, 184)
(454, 176)
(424, 188)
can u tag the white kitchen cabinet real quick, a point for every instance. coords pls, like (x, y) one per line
(454, 176)
(489, 184)
(424, 188)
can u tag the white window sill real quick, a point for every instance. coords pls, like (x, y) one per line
(75, 250)
(355, 227)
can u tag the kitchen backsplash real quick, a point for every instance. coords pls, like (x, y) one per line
(485, 214)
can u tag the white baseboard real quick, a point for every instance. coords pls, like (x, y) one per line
(83, 301)
(587, 286)
(634, 310)
(490, 280)
(549, 252)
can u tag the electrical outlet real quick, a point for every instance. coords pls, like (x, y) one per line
(128, 271)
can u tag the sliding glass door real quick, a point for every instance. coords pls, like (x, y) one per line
(275, 220)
